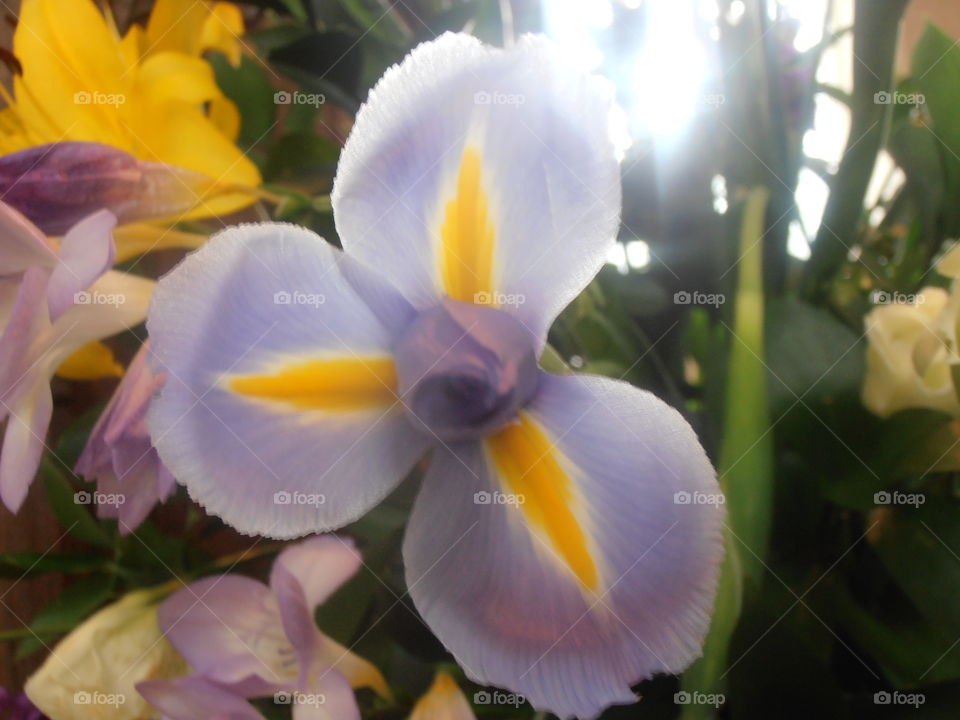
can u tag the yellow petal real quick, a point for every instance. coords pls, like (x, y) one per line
(172, 77)
(176, 25)
(68, 52)
(91, 362)
(222, 30)
(224, 114)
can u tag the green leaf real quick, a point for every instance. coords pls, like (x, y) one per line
(920, 547)
(69, 504)
(746, 454)
(24, 565)
(936, 74)
(249, 88)
(910, 653)
(68, 609)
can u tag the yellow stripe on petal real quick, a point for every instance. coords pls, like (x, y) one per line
(528, 464)
(336, 385)
(467, 236)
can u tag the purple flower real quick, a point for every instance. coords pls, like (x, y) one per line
(53, 302)
(567, 537)
(119, 455)
(244, 639)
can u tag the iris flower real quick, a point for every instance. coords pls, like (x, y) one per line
(55, 301)
(148, 92)
(552, 547)
(245, 639)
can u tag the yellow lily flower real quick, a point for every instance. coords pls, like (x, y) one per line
(149, 93)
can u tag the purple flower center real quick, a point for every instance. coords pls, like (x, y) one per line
(464, 370)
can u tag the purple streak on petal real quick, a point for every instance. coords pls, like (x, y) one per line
(119, 454)
(87, 251)
(464, 370)
(22, 245)
(193, 698)
(302, 577)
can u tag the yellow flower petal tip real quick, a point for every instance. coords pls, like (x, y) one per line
(93, 361)
(443, 701)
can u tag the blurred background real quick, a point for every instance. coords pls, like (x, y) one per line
(783, 162)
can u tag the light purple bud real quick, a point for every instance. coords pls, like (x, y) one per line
(464, 370)
(57, 185)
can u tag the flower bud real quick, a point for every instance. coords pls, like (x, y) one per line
(57, 185)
